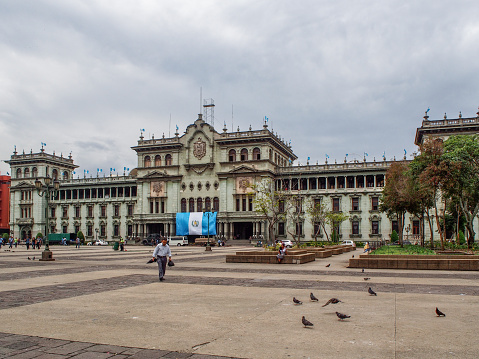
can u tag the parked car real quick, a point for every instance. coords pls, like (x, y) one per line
(287, 243)
(98, 242)
(177, 241)
(349, 243)
(152, 239)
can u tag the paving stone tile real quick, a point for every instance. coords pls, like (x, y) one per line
(92, 355)
(17, 345)
(176, 355)
(69, 348)
(102, 348)
(150, 354)
(28, 354)
(50, 342)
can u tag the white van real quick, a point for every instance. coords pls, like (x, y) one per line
(177, 241)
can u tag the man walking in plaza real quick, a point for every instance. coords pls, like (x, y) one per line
(162, 251)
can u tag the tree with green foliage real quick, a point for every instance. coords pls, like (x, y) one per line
(433, 173)
(461, 156)
(394, 236)
(271, 204)
(334, 219)
(317, 214)
(81, 237)
(39, 235)
(396, 195)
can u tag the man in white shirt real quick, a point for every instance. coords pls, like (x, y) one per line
(162, 251)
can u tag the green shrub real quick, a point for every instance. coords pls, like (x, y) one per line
(334, 237)
(5, 236)
(394, 236)
(462, 238)
(81, 237)
(39, 235)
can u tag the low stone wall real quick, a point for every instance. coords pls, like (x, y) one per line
(293, 257)
(431, 262)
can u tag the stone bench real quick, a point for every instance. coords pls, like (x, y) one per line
(320, 252)
(297, 257)
(431, 262)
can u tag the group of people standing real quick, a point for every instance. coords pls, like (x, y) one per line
(34, 242)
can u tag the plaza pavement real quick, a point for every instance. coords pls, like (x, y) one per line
(94, 302)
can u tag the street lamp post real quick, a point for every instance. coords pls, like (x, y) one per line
(208, 246)
(46, 190)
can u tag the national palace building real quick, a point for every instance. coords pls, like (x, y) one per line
(205, 170)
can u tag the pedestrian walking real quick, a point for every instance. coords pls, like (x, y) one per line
(162, 251)
(77, 243)
(16, 242)
(10, 242)
(27, 243)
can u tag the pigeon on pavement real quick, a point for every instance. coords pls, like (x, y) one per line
(332, 301)
(439, 313)
(306, 322)
(371, 292)
(367, 278)
(362, 271)
(342, 316)
(29, 258)
(298, 302)
(328, 265)
(313, 298)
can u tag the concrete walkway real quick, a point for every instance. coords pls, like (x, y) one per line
(94, 302)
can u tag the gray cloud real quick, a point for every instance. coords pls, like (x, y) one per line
(335, 78)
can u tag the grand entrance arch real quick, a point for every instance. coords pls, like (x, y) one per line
(242, 230)
(158, 228)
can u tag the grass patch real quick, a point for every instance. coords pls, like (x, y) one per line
(408, 249)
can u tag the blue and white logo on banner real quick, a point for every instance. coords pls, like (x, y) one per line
(195, 223)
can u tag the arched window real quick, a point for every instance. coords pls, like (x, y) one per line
(191, 205)
(199, 204)
(34, 172)
(54, 174)
(19, 173)
(147, 161)
(270, 155)
(256, 153)
(208, 204)
(183, 205)
(244, 154)
(232, 156)
(26, 173)
(168, 160)
(216, 204)
(157, 161)
(65, 175)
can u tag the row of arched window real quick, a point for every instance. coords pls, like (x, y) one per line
(25, 173)
(192, 205)
(243, 155)
(147, 162)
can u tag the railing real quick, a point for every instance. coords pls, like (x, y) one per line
(446, 122)
(40, 155)
(383, 165)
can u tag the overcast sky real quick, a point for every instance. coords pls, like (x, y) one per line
(334, 77)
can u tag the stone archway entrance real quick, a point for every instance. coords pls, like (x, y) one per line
(242, 230)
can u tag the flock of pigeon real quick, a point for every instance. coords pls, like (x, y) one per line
(341, 316)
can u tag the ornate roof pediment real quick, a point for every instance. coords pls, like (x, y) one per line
(156, 174)
(243, 169)
(24, 184)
